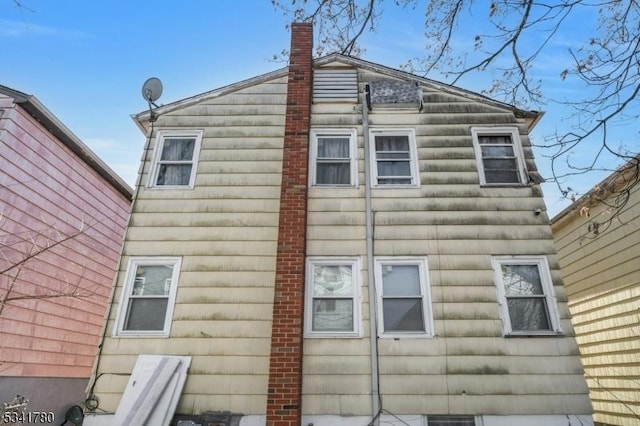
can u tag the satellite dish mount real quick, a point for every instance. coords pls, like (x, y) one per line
(151, 91)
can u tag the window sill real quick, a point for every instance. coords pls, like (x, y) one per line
(328, 186)
(163, 188)
(333, 336)
(127, 335)
(399, 186)
(504, 185)
(406, 336)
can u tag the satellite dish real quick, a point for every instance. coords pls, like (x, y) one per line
(152, 89)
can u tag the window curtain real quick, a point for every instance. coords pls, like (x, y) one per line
(332, 280)
(333, 310)
(176, 151)
(495, 139)
(393, 158)
(334, 162)
(392, 143)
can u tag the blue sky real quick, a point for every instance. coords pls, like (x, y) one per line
(87, 60)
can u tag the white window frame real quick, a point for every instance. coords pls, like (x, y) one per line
(547, 286)
(453, 419)
(413, 157)
(355, 264)
(517, 149)
(127, 295)
(425, 288)
(353, 156)
(157, 155)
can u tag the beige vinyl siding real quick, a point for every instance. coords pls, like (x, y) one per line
(469, 367)
(602, 279)
(225, 229)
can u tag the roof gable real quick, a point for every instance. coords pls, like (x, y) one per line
(337, 60)
(141, 117)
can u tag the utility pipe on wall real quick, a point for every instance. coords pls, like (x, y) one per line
(373, 328)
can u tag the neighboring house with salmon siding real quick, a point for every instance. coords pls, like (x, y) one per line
(63, 213)
(340, 243)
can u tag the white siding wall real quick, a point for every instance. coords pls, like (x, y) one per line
(469, 367)
(225, 229)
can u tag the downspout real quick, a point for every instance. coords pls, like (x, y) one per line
(373, 325)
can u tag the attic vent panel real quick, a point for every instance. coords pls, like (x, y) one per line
(335, 85)
(389, 93)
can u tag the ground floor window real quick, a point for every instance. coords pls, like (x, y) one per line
(525, 291)
(148, 296)
(404, 304)
(332, 297)
(451, 421)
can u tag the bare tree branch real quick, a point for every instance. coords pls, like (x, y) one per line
(339, 23)
(39, 251)
(30, 245)
(351, 45)
(23, 8)
(513, 39)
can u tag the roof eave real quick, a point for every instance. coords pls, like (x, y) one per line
(532, 117)
(49, 121)
(142, 118)
(610, 185)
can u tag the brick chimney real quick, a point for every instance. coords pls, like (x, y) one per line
(284, 398)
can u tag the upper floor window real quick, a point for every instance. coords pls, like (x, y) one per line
(404, 303)
(499, 155)
(394, 158)
(175, 159)
(332, 297)
(525, 292)
(148, 295)
(333, 157)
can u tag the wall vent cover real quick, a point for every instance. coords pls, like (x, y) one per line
(335, 85)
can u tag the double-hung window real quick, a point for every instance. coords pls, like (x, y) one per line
(394, 157)
(332, 297)
(525, 292)
(499, 156)
(175, 159)
(146, 305)
(334, 157)
(404, 303)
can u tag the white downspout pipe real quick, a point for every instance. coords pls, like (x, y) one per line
(373, 327)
